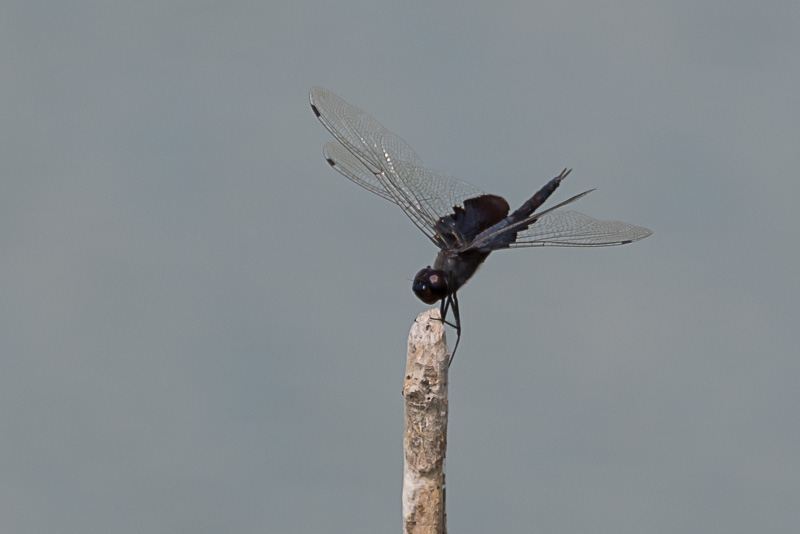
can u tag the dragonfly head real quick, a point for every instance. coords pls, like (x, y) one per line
(430, 285)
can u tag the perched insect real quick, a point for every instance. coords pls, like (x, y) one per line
(465, 223)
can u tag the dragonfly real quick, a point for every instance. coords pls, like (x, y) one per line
(465, 223)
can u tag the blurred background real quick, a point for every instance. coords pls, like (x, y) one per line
(203, 326)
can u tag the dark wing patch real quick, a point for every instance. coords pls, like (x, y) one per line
(478, 214)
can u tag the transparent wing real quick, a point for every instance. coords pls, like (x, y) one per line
(356, 130)
(558, 228)
(381, 162)
(573, 229)
(346, 163)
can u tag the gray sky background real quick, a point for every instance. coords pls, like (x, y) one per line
(203, 326)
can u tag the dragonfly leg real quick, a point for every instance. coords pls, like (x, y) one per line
(457, 326)
(443, 307)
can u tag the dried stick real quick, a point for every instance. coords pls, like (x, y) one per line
(425, 436)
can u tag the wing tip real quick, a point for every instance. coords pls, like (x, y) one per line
(315, 95)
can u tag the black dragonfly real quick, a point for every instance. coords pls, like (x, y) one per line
(463, 221)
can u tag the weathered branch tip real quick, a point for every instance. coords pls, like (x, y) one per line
(425, 435)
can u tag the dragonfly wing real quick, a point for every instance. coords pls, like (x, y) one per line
(366, 148)
(573, 229)
(352, 167)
